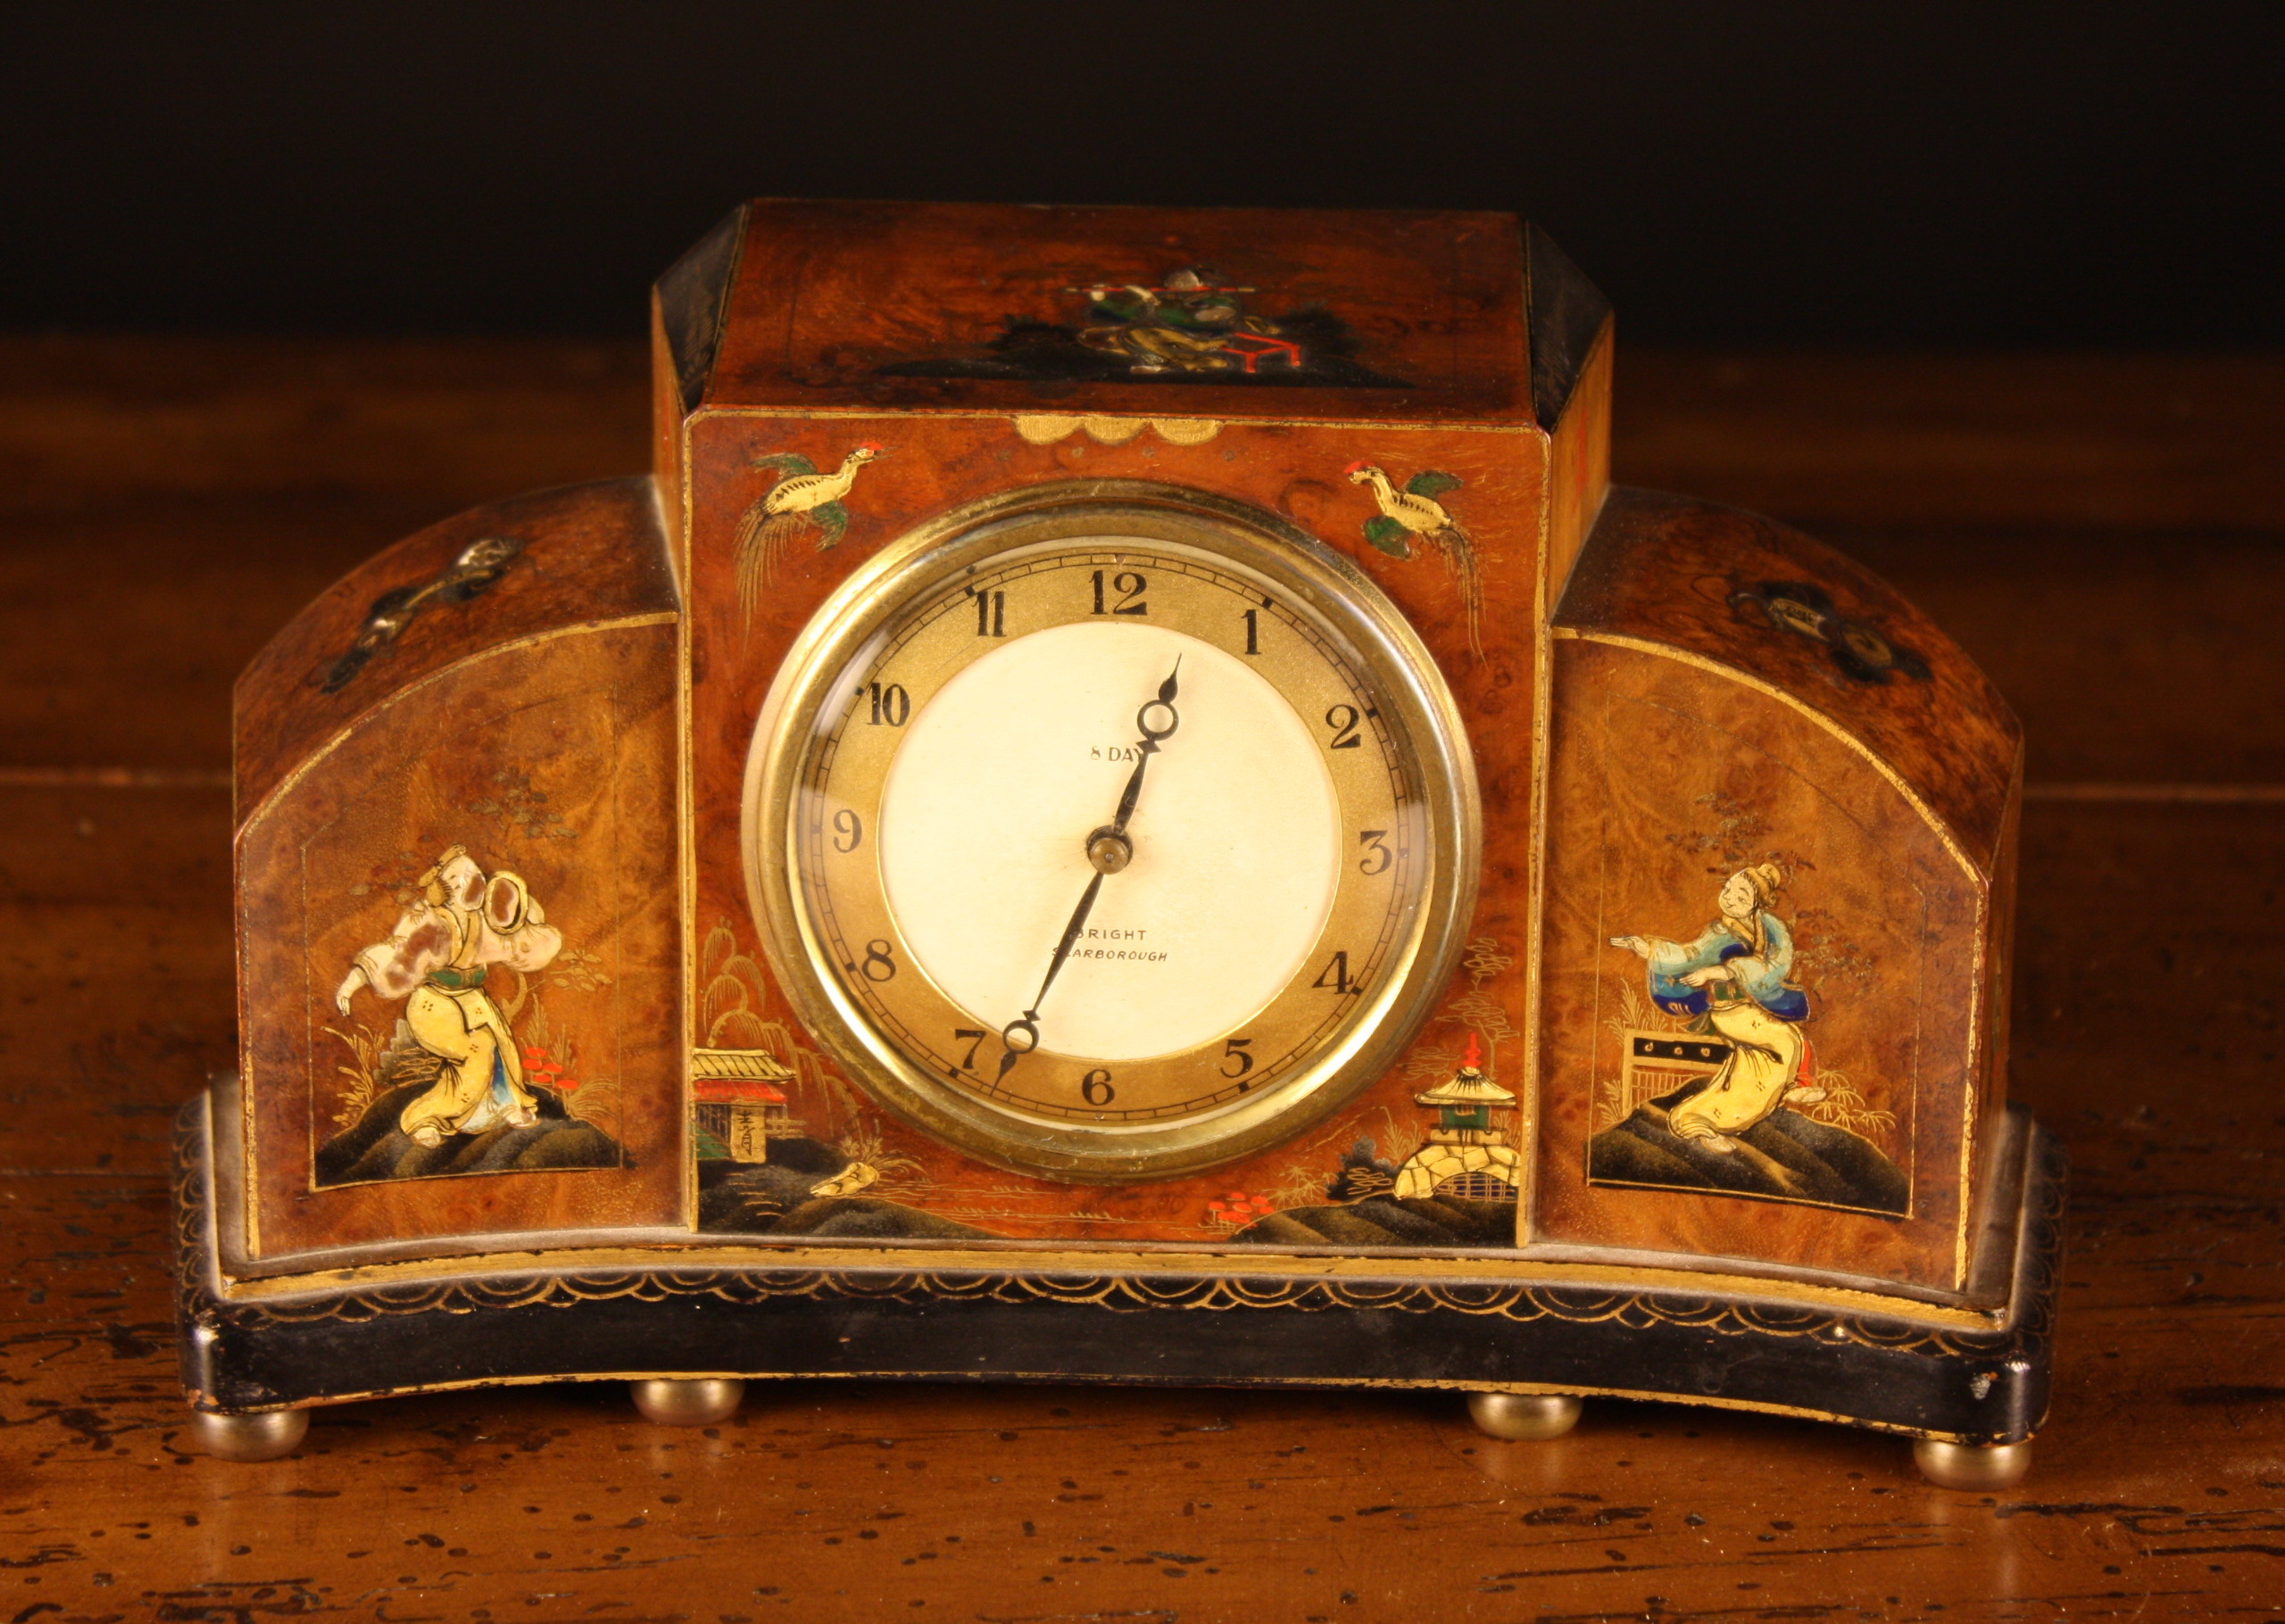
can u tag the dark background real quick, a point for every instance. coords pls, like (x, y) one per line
(1828, 173)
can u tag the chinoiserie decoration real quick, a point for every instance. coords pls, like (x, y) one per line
(1125, 800)
(1464, 1154)
(738, 1101)
(802, 501)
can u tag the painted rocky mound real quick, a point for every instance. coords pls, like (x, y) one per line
(375, 1147)
(1385, 1221)
(1785, 1156)
(773, 1198)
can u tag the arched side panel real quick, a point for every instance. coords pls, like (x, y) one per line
(521, 567)
(1781, 608)
(458, 869)
(1762, 975)
(460, 953)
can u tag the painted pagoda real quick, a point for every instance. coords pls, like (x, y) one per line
(1464, 1156)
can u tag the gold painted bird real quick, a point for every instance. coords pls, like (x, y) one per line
(803, 499)
(1414, 512)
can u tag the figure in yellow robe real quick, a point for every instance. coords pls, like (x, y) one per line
(1732, 979)
(436, 960)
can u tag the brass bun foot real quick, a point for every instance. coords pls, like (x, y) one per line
(1522, 1417)
(264, 1437)
(1972, 1465)
(688, 1404)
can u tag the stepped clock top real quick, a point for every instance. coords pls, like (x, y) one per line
(1229, 313)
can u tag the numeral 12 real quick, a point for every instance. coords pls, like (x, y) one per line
(1130, 585)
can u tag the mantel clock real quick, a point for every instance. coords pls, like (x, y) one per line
(1125, 802)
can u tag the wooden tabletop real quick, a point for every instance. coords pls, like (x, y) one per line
(2104, 536)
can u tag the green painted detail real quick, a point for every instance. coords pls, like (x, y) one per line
(1391, 537)
(832, 519)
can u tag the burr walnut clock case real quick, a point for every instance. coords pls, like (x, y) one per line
(1125, 802)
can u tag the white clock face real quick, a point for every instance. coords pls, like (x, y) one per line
(1107, 849)
(1234, 844)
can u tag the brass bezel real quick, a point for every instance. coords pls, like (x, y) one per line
(1335, 594)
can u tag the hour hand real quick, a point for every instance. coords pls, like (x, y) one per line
(1147, 747)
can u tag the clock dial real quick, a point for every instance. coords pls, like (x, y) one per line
(1113, 849)
(1231, 857)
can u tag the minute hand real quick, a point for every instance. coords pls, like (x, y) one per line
(1063, 949)
(1021, 1036)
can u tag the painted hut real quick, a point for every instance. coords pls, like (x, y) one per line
(738, 1100)
(1463, 1155)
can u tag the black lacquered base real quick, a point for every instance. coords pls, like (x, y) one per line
(311, 1340)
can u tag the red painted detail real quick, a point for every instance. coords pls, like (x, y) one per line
(737, 1090)
(1251, 347)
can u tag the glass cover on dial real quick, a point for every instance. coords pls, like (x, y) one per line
(1109, 833)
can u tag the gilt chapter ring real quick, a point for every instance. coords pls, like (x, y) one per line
(1317, 583)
